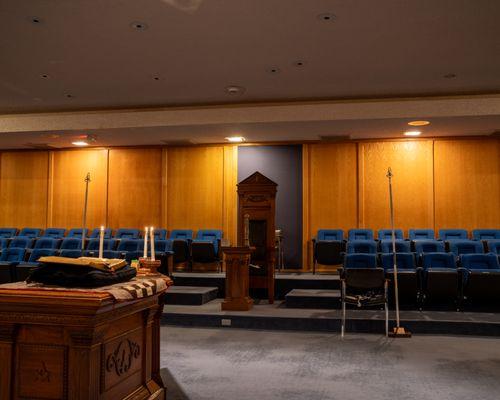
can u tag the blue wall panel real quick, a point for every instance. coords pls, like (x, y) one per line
(282, 164)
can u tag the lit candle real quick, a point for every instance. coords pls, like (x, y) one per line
(145, 253)
(101, 241)
(151, 232)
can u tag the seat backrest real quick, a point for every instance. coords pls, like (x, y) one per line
(186, 234)
(330, 234)
(485, 234)
(452, 234)
(438, 260)
(403, 260)
(107, 244)
(44, 252)
(21, 242)
(161, 245)
(421, 234)
(159, 234)
(8, 232)
(479, 261)
(127, 233)
(209, 234)
(362, 246)
(429, 246)
(97, 231)
(71, 243)
(364, 278)
(54, 232)
(13, 254)
(384, 234)
(360, 234)
(360, 261)
(129, 245)
(459, 247)
(494, 246)
(4, 243)
(74, 253)
(402, 246)
(30, 232)
(77, 233)
(47, 243)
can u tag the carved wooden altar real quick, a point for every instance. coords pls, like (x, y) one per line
(257, 199)
(79, 345)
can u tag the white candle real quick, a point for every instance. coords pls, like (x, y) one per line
(101, 242)
(145, 253)
(152, 243)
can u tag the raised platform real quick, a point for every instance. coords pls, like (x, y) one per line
(284, 282)
(278, 317)
(190, 295)
(313, 298)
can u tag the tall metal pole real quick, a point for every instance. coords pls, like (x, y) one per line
(84, 223)
(398, 331)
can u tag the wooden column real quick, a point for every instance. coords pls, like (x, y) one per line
(237, 279)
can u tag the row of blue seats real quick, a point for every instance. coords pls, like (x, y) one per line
(413, 234)
(437, 276)
(122, 233)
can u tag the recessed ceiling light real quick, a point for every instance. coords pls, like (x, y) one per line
(412, 133)
(299, 63)
(156, 78)
(35, 20)
(70, 96)
(328, 17)
(418, 123)
(140, 26)
(449, 76)
(44, 76)
(274, 70)
(235, 139)
(235, 89)
(80, 143)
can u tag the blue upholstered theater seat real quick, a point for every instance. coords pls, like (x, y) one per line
(482, 277)
(408, 276)
(452, 234)
(330, 234)
(357, 260)
(159, 234)
(182, 234)
(8, 260)
(74, 253)
(360, 234)
(441, 279)
(494, 246)
(30, 232)
(93, 247)
(95, 234)
(386, 234)
(459, 247)
(47, 243)
(56, 233)
(127, 233)
(4, 243)
(130, 249)
(21, 242)
(71, 243)
(429, 246)
(77, 233)
(8, 232)
(421, 234)
(361, 246)
(402, 246)
(205, 247)
(486, 234)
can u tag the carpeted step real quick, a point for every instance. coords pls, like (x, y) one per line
(313, 298)
(190, 295)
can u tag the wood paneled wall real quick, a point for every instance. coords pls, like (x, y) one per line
(437, 184)
(175, 188)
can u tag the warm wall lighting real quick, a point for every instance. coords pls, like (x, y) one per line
(235, 139)
(79, 143)
(418, 123)
(412, 133)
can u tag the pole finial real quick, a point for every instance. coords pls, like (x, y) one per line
(87, 177)
(389, 173)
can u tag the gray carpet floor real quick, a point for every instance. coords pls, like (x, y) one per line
(232, 364)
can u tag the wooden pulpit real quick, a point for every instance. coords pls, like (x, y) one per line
(257, 201)
(236, 260)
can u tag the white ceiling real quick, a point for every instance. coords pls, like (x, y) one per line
(196, 48)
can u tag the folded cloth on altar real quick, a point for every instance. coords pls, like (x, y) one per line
(136, 288)
(81, 272)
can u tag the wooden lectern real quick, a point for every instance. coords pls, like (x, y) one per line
(237, 260)
(257, 201)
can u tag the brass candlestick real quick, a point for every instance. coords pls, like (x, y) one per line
(148, 267)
